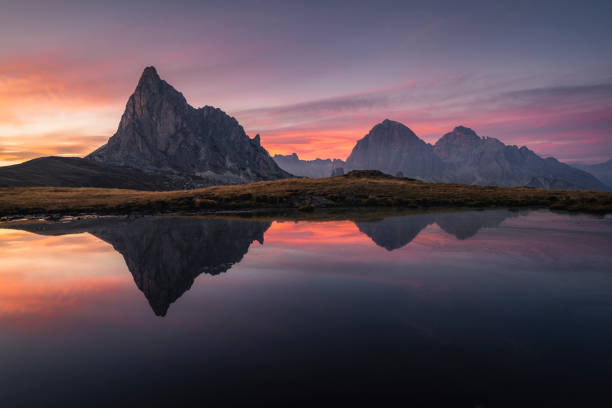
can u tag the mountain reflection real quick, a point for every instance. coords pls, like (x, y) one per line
(396, 232)
(166, 254)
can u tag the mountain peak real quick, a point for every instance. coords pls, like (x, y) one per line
(149, 77)
(460, 136)
(392, 129)
(464, 130)
(150, 71)
(392, 147)
(160, 131)
(389, 122)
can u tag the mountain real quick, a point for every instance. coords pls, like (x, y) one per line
(471, 159)
(394, 149)
(165, 255)
(603, 171)
(160, 131)
(462, 157)
(396, 232)
(317, 168)
(466, 224)
(77, 172)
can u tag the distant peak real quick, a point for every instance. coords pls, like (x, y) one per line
(464, 130)
(461, 134)
(389, 122)
(388, 126)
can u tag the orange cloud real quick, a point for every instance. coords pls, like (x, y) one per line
(16, 150)
(50, 107)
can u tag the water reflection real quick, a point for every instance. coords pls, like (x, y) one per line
(165, 255)
(473, 309)
(396, 232)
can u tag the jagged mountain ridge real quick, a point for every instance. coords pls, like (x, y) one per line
(471, 159)
(160, 131)
(317, 168)
(462, 157)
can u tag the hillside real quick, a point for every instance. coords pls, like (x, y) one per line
(357, 189)
(77, 172)
(603, 171)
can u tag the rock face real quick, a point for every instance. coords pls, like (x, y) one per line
(463, 157)
(471, 159)
(160, 131)
(603, 171)
(338, 171)
(393, 148)
(317, 168)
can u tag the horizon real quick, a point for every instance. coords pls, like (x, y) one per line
(313, 79)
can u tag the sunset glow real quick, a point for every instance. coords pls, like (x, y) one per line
(313, 92)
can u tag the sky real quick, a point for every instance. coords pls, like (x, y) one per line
(313, 77)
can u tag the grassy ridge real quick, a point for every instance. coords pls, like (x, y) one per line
(357, 189)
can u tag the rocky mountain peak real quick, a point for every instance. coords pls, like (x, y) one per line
(461, 136)
(389, 131)
(464, 130)
(160, 131)
(393, 148)
(149, 75)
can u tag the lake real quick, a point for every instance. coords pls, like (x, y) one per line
(473, 308)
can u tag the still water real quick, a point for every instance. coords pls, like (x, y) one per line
(481, 308)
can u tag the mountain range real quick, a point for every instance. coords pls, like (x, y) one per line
(462, 157)
(163, 143)
(308, 168)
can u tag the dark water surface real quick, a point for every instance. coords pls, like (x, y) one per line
(482, 308)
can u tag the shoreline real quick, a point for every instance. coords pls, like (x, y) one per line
(359, 192)
(322, 215)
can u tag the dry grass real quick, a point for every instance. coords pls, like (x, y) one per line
(364, 189)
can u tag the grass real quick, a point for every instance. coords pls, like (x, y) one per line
(355, 190)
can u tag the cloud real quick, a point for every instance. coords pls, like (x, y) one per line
(17, 150)
(541, 117)
(44, 98)
(588, 93)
